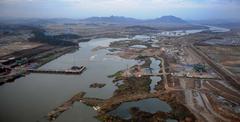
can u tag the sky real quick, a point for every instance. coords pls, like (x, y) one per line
(142, 9)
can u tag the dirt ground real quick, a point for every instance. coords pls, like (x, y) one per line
(228, 56)
(17, 46)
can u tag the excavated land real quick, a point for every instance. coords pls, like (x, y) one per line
(227, 56)
(207, 96)
(192, 87)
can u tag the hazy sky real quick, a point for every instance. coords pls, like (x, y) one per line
(143, 9)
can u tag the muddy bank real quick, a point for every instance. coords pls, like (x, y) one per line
(65, 106)
(79, 97)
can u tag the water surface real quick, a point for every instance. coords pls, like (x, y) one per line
(151, 105)
(154, 82)
(30, 98)
(192, 31)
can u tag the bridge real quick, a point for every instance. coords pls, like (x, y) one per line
(154, 74)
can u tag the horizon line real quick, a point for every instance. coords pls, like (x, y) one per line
(82, 18)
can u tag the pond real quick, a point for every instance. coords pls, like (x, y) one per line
(155, 80)
(151, 105)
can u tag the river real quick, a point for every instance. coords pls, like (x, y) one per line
(30, 98)
(192, 31)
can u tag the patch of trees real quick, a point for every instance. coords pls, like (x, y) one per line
(59, 40)
(199, 68)
(138, 27)
(67, 36)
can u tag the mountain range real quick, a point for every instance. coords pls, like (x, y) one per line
(126, 20)
(161, 21)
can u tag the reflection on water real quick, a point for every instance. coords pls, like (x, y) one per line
(155, 65)
(154, 82)
(78, 113)
(151, 105)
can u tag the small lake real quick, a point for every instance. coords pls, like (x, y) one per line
(155, 80)
(155, 65)
(151, 105)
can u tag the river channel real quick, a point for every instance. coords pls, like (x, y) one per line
(30, 98)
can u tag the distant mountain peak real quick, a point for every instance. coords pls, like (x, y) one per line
(170, 19)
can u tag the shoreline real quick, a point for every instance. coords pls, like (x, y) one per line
(40, 59)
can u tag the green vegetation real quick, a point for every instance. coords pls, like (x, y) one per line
(108, 118)
(180, 112)
(116, 75)
(147, 63)
(134, 85)
(60, 40)
(199, 68)
(97, 85)
(140, 57)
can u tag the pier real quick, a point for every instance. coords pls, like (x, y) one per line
(73, 70)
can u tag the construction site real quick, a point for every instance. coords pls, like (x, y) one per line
(196, 88)
(210, 90)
